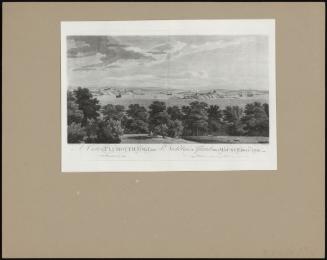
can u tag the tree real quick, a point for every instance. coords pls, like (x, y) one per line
(196, 118)
(232, 117)
(110, 131)
(156, 107)
(256, 119)
(160, 129)
(136, 126)
(137, 119)
(186, 111)
(76, 133)
(266, 108)
(87, 104)
(214, 118)
(175, 113)
(115, 112)
(175, 128)
(73, 112)
(103, 131)
(158, 117)
(92, 129)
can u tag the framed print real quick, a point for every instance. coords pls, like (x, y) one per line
(163, 130)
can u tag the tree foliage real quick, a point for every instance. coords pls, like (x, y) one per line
(114, 112)
(137, 121)
(175, 128)
(160, 129)
(158, 117)
(90, 123)
(196, 118)
(215, 119)
(76, 133)
(87, 104)
(103, 131)
(175, 113)
(256, 119)
(74, 114)
(232, 117)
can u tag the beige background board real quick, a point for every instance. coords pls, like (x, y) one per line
(194, 214)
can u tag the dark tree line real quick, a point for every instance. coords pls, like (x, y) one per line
(90, 123)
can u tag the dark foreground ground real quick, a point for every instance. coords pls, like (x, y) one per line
(145, 139)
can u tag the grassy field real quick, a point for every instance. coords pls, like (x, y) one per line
(228, 139)
(145, 139)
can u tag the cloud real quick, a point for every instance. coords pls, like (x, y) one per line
(162, 47)
(181, 62)
(88, 67)
(132, 77)
(157, 52)
(172, 46)
(186, 75)
(116, 45)
(208, 46)
(175, 49)
(113, 66)
(115, 52)
(163, 52)
(110, 49)
(85, 63)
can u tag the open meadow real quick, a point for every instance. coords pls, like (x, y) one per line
(146, 139)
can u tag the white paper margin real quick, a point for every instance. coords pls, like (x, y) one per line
(78, 158)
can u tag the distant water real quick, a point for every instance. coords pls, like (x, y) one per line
(172, 101)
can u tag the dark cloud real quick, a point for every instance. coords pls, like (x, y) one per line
(89, 67)
(84, 69)
(157, 52)
(81, 46)
(163, 47)
(116, 45)
(82, 51)
(110, 48)
(113, 66)
(95, 66)
(109, 67)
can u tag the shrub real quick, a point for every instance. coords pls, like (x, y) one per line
(76, 133)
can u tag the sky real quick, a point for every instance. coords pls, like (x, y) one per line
(196, 62)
